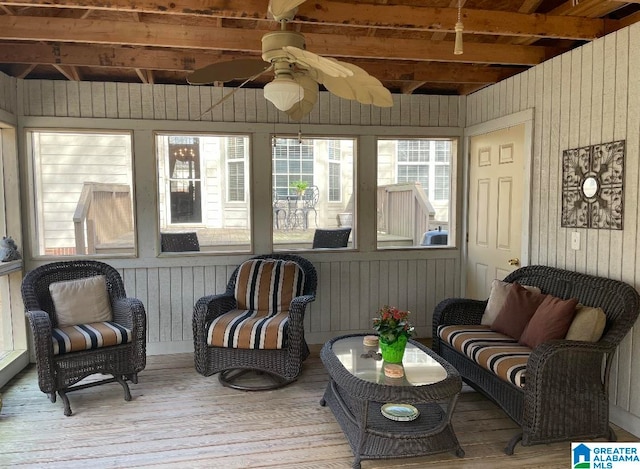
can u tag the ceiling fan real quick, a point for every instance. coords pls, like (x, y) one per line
(298, 72)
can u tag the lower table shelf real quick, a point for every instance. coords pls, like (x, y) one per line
(378, 437)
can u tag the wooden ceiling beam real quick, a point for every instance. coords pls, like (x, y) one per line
(70, 72)
(241, 40)
(22, 70)
(411, 86)
(588, 8)
(73, 55)
(146, 76)
(350, 15)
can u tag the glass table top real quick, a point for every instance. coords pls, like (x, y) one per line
(419, 368)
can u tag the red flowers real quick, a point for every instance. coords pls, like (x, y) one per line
(391, 323)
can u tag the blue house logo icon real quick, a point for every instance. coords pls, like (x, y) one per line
(581, 457)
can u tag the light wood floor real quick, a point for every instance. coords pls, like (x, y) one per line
(178, 418)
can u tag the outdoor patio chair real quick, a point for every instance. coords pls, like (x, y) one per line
(335, 238)
(83, 324)
(310, 199)
(256, 325)
(179, 242)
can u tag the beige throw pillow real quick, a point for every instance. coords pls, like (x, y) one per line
(588, 324)
(499, 292)
(81, 301)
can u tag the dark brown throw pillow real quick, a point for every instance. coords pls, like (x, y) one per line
(550, 321)
(517, 310)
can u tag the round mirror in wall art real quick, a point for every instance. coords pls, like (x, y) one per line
(590, 187)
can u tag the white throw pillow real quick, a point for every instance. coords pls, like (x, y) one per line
(81, 301)
(497, 297)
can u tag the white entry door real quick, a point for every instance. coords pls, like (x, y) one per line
(496, 184)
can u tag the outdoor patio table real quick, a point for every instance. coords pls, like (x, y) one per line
(358, 389)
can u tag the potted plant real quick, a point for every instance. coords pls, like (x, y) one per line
(394, 329)
(299, 187)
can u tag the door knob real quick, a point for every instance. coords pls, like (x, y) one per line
(514, 261)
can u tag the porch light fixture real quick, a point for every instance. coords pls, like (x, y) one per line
(459, 27)
(284, 92)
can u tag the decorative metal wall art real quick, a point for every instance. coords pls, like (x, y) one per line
(592, 183)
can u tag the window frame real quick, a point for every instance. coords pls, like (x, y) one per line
(454, 140)
(220, 196)
(33, 175)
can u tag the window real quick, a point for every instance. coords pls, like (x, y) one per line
(414, 191)
(83, 192)
(292, 161)
(184, 180)
(236, 149)
(335, 184)
(313, 188)
(203, 191)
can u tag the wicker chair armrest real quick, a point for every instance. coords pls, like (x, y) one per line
(562, 374)
(207, 309)
(456, 311)
(41, 328)
(571, 355)
(297, 309)
(130, 313)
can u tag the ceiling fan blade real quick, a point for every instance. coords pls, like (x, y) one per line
(280, 8)
(228, 70)
(307, 59)
(360, 87)
(301, 109)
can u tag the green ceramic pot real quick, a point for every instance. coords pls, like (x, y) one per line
(393, 352)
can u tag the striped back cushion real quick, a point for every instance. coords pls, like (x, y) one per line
(268, 285)
(496, 352)
(89, 336)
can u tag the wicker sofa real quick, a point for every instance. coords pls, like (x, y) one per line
(565, 395)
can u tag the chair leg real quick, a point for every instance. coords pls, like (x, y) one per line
(127, 393)
(512, 444)
(65, 401)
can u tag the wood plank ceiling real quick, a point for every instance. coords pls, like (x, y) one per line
(407, 44)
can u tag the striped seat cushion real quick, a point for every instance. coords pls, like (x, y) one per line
(89, 336)
(268, 285)
(493, 351)
(249, 329)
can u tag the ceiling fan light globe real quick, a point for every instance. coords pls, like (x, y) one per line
(283, 93)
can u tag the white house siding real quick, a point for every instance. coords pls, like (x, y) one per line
(65, 163)
(352, 285)
(587, 96)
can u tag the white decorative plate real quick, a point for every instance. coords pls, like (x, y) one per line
(400, 412)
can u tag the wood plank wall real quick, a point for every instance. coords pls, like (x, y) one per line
(8, 94)
(587, 96)
(188, 103)
(352, 286)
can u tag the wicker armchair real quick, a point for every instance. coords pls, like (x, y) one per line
(565, 396)
(281, 362)
(337, 238)
(59, 371)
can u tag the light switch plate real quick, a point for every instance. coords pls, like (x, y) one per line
(575, 240)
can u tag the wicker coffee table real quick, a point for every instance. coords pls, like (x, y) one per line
(358, 389)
